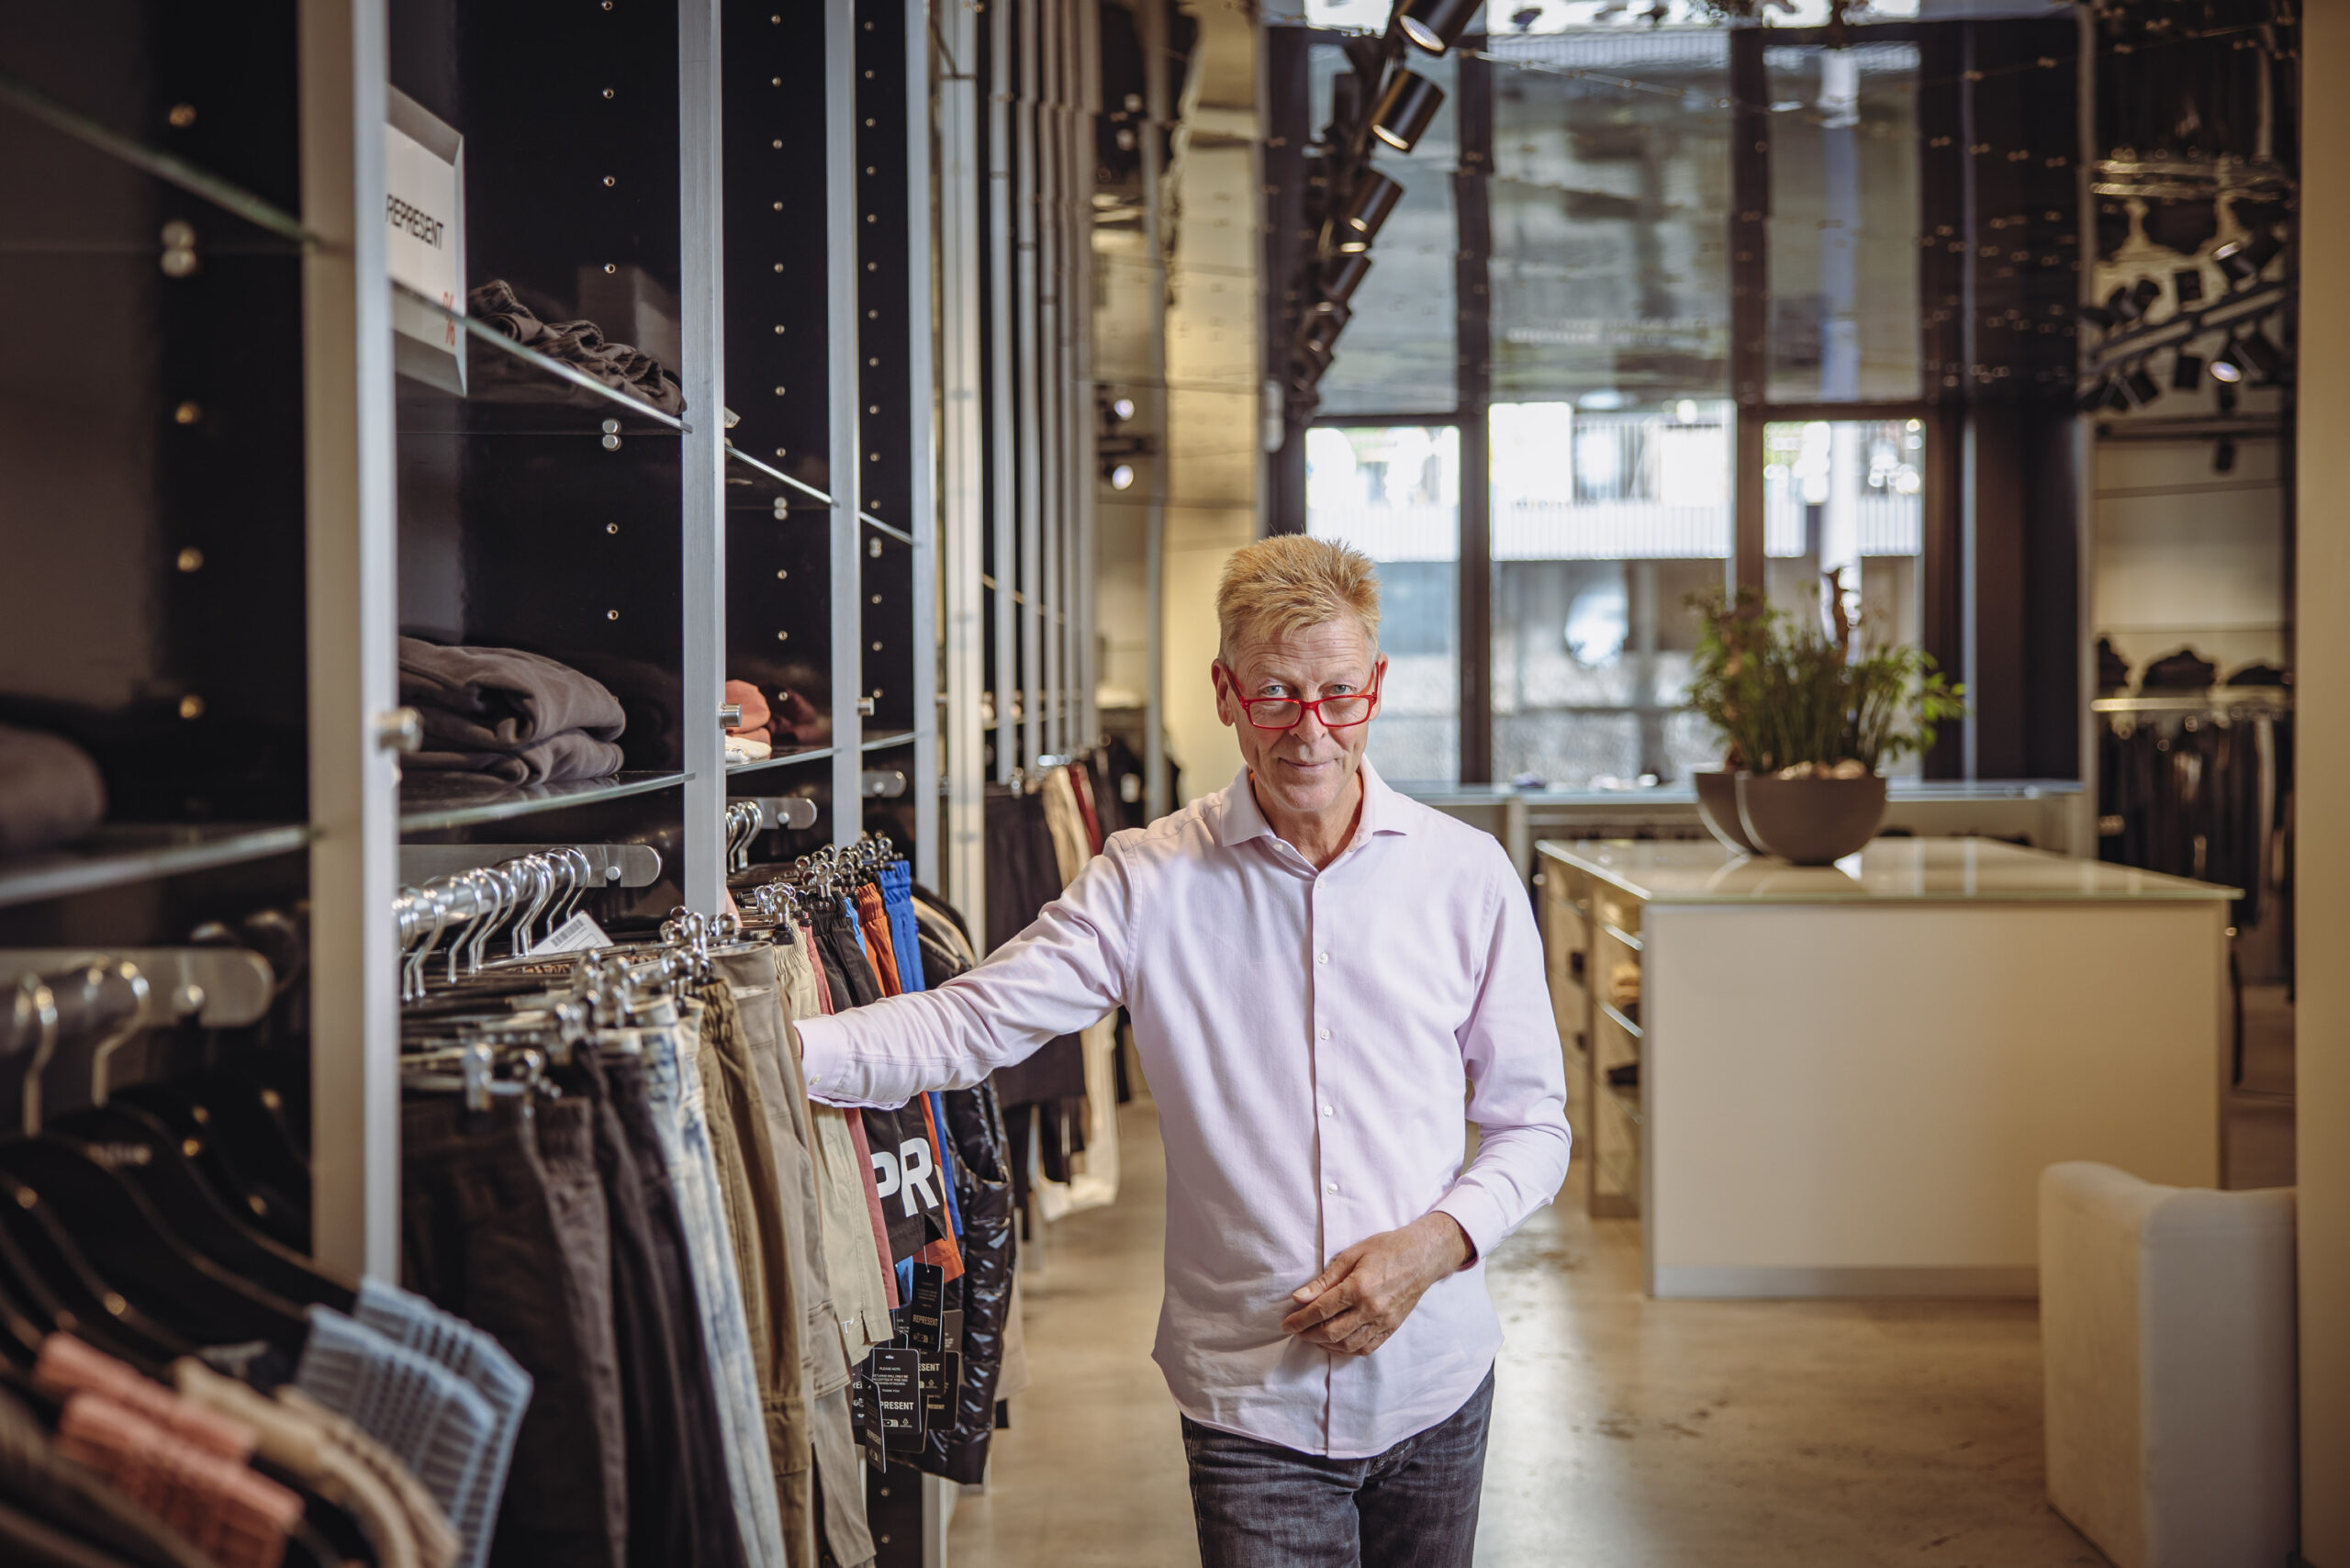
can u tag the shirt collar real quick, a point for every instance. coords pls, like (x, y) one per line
(1238, 818)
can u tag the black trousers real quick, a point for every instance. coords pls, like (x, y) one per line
(505, 1226)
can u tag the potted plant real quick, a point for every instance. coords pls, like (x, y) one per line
(1808, 721)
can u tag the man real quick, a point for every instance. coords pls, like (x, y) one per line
(1319, 972)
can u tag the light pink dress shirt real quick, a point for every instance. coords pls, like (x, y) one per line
(1311, 1040)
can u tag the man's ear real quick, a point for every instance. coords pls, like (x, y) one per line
(1222, 695)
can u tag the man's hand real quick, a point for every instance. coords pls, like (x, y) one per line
(1357, 1303)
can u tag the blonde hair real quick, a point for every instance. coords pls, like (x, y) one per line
(1290, 582)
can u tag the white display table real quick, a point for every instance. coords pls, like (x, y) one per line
(1849, 1078)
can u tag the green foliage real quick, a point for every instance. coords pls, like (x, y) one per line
(1785, 690)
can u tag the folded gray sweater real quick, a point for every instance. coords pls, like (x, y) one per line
(513, 715)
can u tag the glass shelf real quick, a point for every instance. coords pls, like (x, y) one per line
(877, 526)
(755, 485)
(782, 759)
(515, 390)
(139, 852)
(433, 801)
(229, 197)
(1615, 1016)
(889, 739)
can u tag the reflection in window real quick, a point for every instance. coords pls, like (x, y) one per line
(1610, 272)
(1605, 521)
(1844, 222)
(1394, 494)
(1847, 494)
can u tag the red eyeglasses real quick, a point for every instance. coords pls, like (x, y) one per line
(1340, 713)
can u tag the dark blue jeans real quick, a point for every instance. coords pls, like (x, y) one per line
(1262, 1506)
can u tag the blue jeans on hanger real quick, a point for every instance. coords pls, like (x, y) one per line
(673, 1086)
(1259, 1505)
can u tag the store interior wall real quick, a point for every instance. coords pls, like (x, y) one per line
(2323, 864)
(1213, 375)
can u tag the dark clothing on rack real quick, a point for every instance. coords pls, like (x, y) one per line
(700, 1445)
(2185, 670)
(49, 791)
(578, 343)
(1022, 878)
(664, 1522)
(505, 1226)
(2202, 797)
(958, 1448)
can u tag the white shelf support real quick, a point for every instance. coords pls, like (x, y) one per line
(963, 474)
(845, 399)
(352, 575)
(702, 310)
(921, 443)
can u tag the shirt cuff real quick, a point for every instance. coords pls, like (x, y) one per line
(826, 1060)
(1478, 1216)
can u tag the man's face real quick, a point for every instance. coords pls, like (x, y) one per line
(1305, 770)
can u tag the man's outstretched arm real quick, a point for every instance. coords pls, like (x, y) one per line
(1055, 978)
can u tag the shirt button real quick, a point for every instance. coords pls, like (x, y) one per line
(1321, 1033)
(1329, 1186)
(1321, 958)
(1327, 1112)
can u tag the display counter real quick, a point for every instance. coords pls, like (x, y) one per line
(1845, 1080)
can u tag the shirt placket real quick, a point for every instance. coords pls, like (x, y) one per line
(1327, 1172)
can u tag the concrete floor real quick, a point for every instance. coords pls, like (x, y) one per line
(1626, 1432)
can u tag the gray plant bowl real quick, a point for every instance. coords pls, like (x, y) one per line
(1812, 822)
(1718, 808)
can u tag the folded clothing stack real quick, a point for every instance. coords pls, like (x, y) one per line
(790, 720)
(751, 738)
(578, 344)
(49, 791)
(517, 717)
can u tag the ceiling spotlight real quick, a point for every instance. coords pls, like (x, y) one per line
(1322, 330)
(2227, 365)
(2140, 387)
(1341, 278)
(2244, 260)
(1436, 25)
(1119, 410)
(1365, 210)
(1118, 476)
(2186, 371)
(1404, 109)
(2261, 354)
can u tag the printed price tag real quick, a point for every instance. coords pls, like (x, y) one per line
(579, 935)
(897, 1383)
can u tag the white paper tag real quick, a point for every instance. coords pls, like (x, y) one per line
(577, 935)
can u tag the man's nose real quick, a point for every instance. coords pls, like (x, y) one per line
(1309, 730)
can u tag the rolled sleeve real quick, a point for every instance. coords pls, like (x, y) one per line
(1518, 1080)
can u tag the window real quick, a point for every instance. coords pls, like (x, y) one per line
(1604, 522)
(1582, 408)
(1394, 492)
(1843, 227)
(1848, 495)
